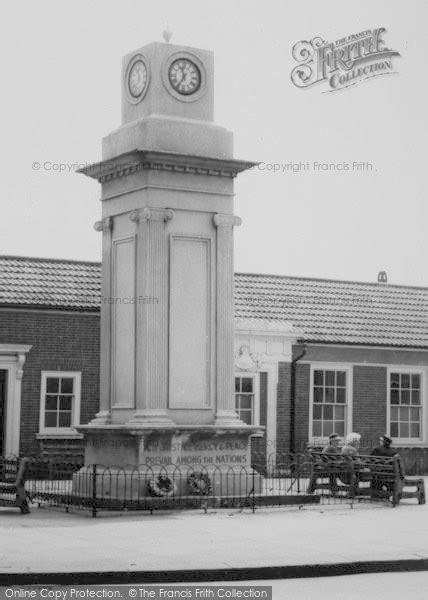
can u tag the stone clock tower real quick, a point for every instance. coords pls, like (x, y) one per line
(167, 374)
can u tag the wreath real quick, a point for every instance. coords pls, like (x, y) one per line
(161, 487)
(199, 484)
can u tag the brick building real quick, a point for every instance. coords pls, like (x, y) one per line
(311, 356)
(49, 343)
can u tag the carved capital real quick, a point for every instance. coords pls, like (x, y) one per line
(223, 220)
(157, 214)
(151, 214)
(134, 216)
(104, 225)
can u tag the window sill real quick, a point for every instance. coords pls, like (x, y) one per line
(400, 444)
(71, 435)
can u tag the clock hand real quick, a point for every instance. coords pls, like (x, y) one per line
(186, 76)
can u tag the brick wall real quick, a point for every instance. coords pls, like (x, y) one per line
(302, 406)
(258, 444)
(301, 417)
(61, 342)
(369, 403)
(283, 409)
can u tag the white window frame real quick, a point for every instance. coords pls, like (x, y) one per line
(326, 366)
(423, 395)
(75, 409)
(256, 389)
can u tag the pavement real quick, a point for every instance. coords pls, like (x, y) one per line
(222, 544)
(379, 586)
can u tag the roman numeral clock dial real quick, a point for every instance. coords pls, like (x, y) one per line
(184, 76)
(153, 74)
(137, 78)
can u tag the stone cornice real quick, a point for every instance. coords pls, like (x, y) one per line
(145, 429)
(20, 351)
(15, 348)
(263, 327)
(225, 220)
(154, 160)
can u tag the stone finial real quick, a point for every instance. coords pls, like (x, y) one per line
(167, 35)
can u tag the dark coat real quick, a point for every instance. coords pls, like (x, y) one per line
(383, 451)
(331, 450)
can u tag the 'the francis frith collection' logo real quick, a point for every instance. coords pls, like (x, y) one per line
(344, 62)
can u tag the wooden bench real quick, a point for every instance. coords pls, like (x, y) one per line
(12, 483)
(375, 477)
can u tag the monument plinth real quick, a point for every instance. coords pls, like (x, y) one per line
(167, 366)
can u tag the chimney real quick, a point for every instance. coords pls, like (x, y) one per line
(382, 277)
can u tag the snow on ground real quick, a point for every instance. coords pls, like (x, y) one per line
(220, 539)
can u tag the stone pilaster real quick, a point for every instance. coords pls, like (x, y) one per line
(152, 316)
(225, 410)
(104, 414)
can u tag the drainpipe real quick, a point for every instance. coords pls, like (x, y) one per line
(293, 399)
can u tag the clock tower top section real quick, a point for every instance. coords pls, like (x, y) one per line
(168, 104)
(168, 80)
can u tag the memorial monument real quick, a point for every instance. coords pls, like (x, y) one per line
(167, 321)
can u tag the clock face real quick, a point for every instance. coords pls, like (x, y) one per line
(137, 79)
(184, 76)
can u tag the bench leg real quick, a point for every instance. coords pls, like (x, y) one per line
(312, 484)
(396, 492)
(353, 486)
(421, 491)
(334, 488)
(21, 501)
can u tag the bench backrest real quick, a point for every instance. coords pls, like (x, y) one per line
(14, 470)
(8, 469)
(378, 465)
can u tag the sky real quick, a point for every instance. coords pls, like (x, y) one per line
(61, 93)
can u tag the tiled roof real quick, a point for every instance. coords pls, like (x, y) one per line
(323, 310)
(337, 311)
(49, 283)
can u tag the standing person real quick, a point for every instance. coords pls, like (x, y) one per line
(333, 448)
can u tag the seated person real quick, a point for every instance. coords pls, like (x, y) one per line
(350, 449)
(352, 444)
(384, 448)
(333, 448)
(379, 484)
(333, 444)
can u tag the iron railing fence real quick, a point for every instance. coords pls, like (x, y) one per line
(97, 487)
(281, 480)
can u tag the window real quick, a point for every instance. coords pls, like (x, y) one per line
(245, 399)
(329, 406)
(405, 404)
(60, 402)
